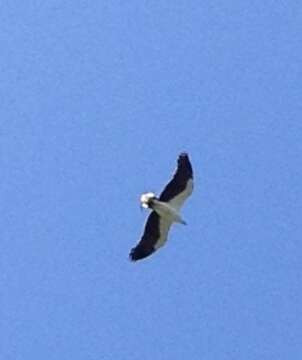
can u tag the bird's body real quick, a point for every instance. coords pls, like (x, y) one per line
(165, 209)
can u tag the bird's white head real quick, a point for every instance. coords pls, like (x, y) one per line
(146, 198)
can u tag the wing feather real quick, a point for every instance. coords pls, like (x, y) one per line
(155, 235)
(181, 185)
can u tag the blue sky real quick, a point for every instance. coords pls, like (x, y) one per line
(97, 101)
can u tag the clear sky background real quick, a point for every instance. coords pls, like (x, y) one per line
(98, 98)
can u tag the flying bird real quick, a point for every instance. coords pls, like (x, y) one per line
(165, 209)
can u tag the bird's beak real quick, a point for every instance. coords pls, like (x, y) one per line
(143, 205)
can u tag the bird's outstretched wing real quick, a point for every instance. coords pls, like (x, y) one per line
(181, 185)
(155, 235)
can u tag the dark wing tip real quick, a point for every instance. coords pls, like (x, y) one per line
(183, 154)
(185, 164)
(134, 256)
(139, 252)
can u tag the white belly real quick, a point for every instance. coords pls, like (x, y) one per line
(166, 211)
